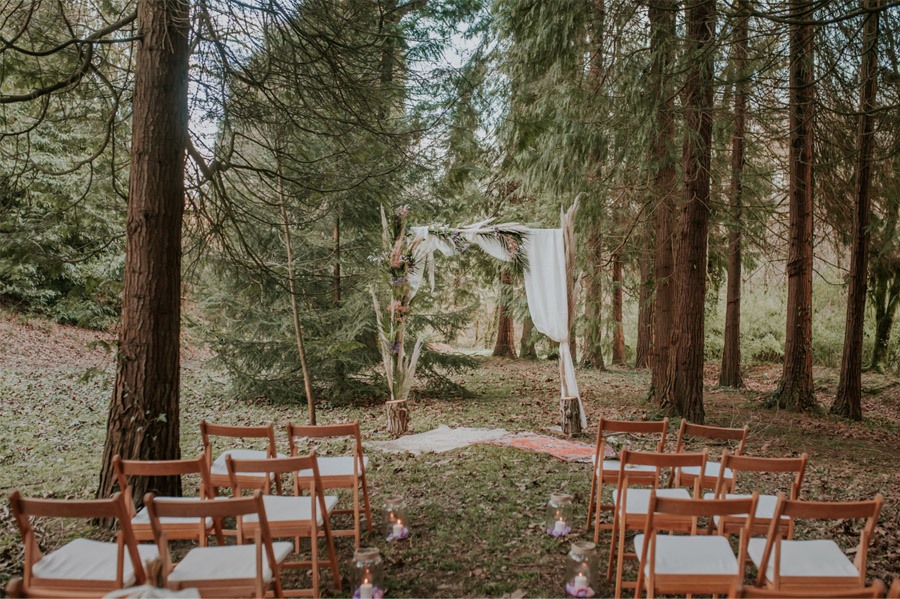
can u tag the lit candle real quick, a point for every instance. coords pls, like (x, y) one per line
(581, 581)
(365, 590)
(398, 529)
(560, 526)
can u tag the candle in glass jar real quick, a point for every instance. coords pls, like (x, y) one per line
(560, 526)
(365, 590)
(398, 529)
(581, 581)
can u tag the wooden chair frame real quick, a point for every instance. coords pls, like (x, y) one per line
(160, 507)
(623, 522)
(604, 427)
(125, 469)
(296, 528)
(876, 591)
(741, 463)
(707, 432)
(818, 510)
(267, 432)
(661, 512)
(353, 481)
(24, 508)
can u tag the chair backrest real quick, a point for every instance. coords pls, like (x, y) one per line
(125, 469)
(236, 507)
(279, 467)
(659, 461)
(25, 508)
(822, 510)
(696, 508)
(876, 591)
(208, 430)
(712, 432)
(741, 463)
(322, 431)
(629, 427)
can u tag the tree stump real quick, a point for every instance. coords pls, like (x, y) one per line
(398, 417)
(570, 415)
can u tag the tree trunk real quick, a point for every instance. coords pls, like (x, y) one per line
(143, 421)
(618, 348)
(526, 344)
(506, 344)
(795, 391)
(684, 390)
(644, 346)
(886, 300)
(570, 415)
(662, 34)
(398, 417)
(730, 375)
(592, 352)
(848, 402)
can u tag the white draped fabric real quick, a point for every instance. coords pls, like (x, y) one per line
(545, 287)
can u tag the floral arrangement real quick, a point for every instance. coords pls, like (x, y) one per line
(614, 446)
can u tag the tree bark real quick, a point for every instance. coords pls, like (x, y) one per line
(684, 390)
(526, 344)
(592, 351)
(644, 347)
(570, 415)
(730, 374)
(886, 299)
(795, 390)
(398, 417)
(143, 420)
(618, 348)
(662, 33)
(506, 344)
(848, 402)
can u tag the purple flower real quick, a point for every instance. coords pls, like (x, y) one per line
(559, 533)
(571, 591)
(395, 347)
(403, 534)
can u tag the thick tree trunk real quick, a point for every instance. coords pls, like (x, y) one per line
(848, 402)
(398, 417)
(526, 344)
(506, 344)
(570, 415)
(886, 299)
(618, 348)
(795, 391)
(143, 414)
(662, 34)
(730, 375)
(644, 346)
(592, 352)
(685, 378)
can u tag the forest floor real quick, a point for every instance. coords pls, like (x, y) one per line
(476, 513)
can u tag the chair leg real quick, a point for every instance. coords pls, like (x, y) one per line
(620, 561)
(356, 514)
(314, 556)
(612, 546)
(365, 490)
(591, 502)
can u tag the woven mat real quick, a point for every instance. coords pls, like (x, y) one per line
(570, 451)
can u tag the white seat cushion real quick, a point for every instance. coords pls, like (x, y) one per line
(765, 506)
(637, 501)
(142, 518)
(220, 468)
(701, 555)
(336, 466)
(819, 558)
(226, 562)
(289, 508)
(711, 471)
(84, 559)
(614, 465)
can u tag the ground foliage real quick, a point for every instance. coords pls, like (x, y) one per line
(477, 512)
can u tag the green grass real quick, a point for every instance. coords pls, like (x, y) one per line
(476, 513)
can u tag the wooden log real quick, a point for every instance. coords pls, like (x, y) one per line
(570, 415)
(398, 417)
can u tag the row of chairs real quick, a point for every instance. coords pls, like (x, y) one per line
(301, 510)
(641, 504)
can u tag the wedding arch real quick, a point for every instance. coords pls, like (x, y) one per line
(547, 257)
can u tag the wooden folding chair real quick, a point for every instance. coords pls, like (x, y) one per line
(606, 471)
(894, 591)
(218, 471)
(226, 570)
(685, 476)
(293, 515)
(631, 504)
(341, 472)
(765, 508)
(81, 567)
(175, 528)
(876, 591)
(693, 564)
(819, 564)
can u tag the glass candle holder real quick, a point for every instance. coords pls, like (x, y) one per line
(559, 514)
(581, 570)
(396, 518)
(367, 574)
